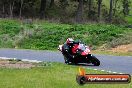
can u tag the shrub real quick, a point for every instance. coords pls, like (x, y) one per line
(44, 35)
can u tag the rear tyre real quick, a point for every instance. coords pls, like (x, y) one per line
(67, 60)
(95, 61)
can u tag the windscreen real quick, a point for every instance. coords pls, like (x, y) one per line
(82, 47)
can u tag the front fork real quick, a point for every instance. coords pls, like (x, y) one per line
(89, 58)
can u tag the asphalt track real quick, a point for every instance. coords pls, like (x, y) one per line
(120, 64)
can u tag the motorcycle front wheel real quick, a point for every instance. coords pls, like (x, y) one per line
(95, 61)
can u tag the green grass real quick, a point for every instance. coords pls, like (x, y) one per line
(129, 19)
(57, 75)
(47, 36)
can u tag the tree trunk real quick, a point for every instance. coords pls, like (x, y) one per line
(42, 9)
(51, 3)
(11, 8)
(125, 7)
(79, 12)
(110, 11)
(3, 11)
(115, 6)
(64, 4)
(63, 12)
(89, 5)
(20, 13)
(90, 9)
(99, 8)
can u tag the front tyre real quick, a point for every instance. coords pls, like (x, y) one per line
(95, 61)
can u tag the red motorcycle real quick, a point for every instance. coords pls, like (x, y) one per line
(79, 53)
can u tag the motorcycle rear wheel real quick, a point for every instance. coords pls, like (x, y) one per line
(67, 61)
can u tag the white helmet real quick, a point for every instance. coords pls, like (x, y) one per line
(69, 40)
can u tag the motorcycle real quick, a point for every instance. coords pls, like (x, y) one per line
(79, 53)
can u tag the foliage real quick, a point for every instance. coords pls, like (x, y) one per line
(47, 36)
(10, 27)
(65, 11)
(126, 39)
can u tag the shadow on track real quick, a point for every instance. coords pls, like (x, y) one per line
(83, 64)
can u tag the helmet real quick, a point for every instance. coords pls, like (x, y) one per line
(69, 40)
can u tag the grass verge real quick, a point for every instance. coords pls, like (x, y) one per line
(53, 75)
(112, 53)
(47, 36)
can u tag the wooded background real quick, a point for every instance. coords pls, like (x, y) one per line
(67, 11)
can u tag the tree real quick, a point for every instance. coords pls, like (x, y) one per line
(3, 8)
(51, 3)
(91, 10)
(125, 7)
(110, 10)
(11, 7)
(79, 13)
(99, 8)
(21, 6)
(63, 4)
(115, 7)
(90, 5)
(42, 9)
(63, 12)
